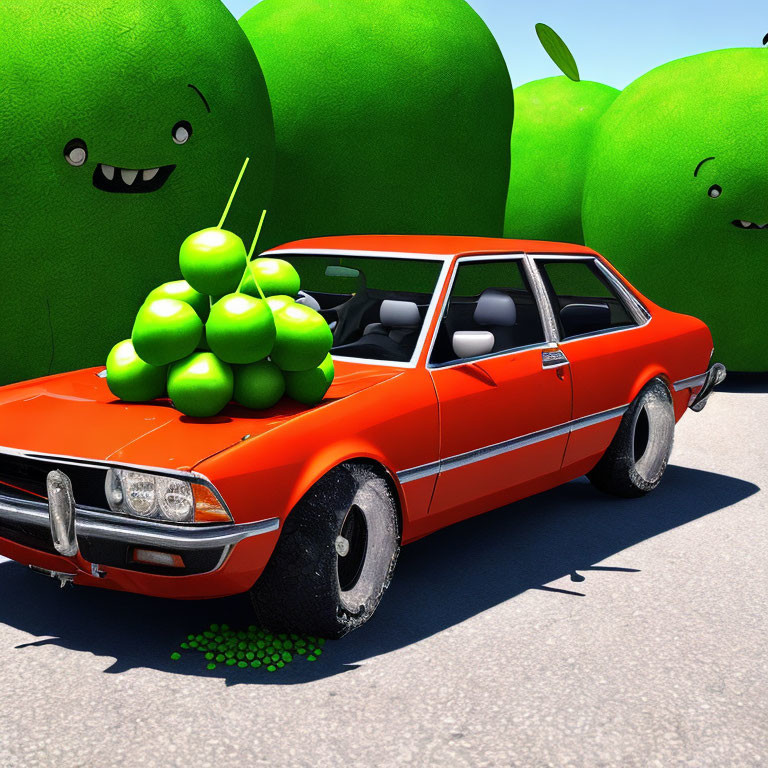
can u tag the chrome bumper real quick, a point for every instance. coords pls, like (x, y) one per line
(707, 381)
(99, 525)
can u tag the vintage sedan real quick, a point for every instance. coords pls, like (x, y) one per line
(470, 372)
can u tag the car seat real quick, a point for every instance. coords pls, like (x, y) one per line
(399, 320)
(497, 313)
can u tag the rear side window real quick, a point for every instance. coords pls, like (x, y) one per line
(492, 296)
(583, 299)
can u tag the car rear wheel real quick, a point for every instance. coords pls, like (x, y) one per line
(334, 559)
(637, 457)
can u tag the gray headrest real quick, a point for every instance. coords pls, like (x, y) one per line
(494, 307)
(399, 314)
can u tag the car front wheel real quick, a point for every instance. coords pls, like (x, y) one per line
(334, 559)
(637, 457)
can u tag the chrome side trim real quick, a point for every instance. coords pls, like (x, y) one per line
(690, 382)
(489, 451)
(353, 252)
(142, 532)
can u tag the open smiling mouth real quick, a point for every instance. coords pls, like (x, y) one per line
(127, 181)
(741, 224)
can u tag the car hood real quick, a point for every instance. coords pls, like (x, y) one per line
(75, 414)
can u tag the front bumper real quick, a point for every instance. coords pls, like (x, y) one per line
(702, 386)
(213, 554)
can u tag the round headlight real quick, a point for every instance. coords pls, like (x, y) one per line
(175, 499)
(139, 493)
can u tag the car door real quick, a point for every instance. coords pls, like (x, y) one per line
(501, 412)
(601, 334)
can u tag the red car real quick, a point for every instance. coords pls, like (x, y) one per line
(470, 372)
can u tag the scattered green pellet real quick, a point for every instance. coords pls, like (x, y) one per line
(261, 644)
(215, 627)
(261, 654)
(271, 668)
(249, 655)
(280, 664)
(287, 656)
(229, 654)
(190, 637)
(311, 658)
(185, 646)
(209, 656)
(252, 628)
(270, 649)
(321, 641)
(193, 643)
(175, 655)
(278, 644)
(211, 665)
(288, 645)
(301, 651)
(221, 658)
(224, 627)
(256, 663)
(242, 664)
(231, 662)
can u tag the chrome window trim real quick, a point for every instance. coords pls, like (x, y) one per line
(189, 476)
(354, 252)
(129, 530)
(512, 256)
(631, 304)
(506, 446)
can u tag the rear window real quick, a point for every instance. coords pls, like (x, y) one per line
(584, 300)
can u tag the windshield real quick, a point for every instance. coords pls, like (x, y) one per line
(375, 306)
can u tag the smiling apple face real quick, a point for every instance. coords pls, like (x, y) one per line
(123, 127)
(677, 194)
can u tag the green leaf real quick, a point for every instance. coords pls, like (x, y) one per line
(558, 51)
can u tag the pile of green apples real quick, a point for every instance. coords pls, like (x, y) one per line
(230, 330)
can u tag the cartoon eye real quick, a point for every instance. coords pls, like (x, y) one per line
(181, 132)
(76, 152)
(715, 190)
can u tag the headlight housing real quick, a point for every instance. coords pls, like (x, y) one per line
(163, 497)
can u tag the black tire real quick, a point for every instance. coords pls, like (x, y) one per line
(637, 457)
(311, 585)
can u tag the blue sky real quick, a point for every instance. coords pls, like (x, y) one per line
(613, 41)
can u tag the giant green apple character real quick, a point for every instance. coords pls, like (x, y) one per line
(555, 121)
(123, 125)
(676, 194)
(390, 117)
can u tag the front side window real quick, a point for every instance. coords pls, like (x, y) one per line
(583, 298)
(375, 306)
(491, 309)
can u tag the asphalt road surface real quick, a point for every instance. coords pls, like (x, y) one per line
(571, 629)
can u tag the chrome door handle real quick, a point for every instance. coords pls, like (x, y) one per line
(553, 358)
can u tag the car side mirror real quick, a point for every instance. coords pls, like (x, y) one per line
(472, 343)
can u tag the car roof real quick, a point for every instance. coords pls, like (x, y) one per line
(433, 245)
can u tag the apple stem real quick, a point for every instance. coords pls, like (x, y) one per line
(234, 192)
(248, 264)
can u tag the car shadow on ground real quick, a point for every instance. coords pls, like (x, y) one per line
(440, 581)
(744, 383)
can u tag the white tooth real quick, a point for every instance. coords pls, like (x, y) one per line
(150, 174)
(129, 176)
(745, 224)
(108, 171)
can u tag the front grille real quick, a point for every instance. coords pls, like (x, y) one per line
(25, 478)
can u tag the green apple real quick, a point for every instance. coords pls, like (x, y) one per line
(275, 276)
(555, 122)
(240, 329)
(278, 302)
(390, 117)
(200, 385)
(183, 291)
(130, 378)
(309, 387)
(259, 385)
(212, 261)
(124, 124)
(677, 188)
(166, 330)
(303, 338)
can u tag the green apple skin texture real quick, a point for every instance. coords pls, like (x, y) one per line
(309, 387)
(240, 329)
(644, 210)
(166, 330)
(259, 385)
(213, 261)
(303, 338)
(275, 277)
(200, 385)
(129, 378)
(183, 291)
(77, 261)
(555, 122)
(390, 117)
